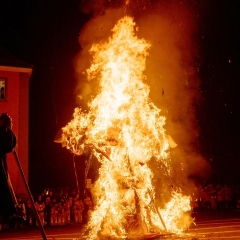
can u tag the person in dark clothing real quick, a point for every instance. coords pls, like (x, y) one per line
(7, 144)
(47, 210)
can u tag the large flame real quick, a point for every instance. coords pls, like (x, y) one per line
(124, 130)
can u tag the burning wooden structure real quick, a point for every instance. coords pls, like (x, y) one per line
(124, 130)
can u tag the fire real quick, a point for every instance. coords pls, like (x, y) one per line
(124, 130)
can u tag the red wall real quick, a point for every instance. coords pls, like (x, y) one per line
(16, 104)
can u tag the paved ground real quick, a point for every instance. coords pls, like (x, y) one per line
(214, 225)
(210, 225)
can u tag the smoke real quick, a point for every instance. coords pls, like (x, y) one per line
(98, 29)
(172, 74)
(171, 71)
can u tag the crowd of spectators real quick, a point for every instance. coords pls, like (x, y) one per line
(68, 207)
(216, 197)
(53, 209)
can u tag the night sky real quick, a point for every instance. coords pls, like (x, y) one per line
(45, 35)
(220, 74)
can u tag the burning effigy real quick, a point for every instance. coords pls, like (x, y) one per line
(124, 130)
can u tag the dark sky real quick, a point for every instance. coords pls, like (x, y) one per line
(45, 34)
(220, 74)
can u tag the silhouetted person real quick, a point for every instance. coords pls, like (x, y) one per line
(7, 144)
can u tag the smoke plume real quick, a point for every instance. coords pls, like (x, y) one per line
(171, 71)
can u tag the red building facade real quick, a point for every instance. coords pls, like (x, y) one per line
(14, 100)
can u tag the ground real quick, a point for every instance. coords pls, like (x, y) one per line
(208, 225)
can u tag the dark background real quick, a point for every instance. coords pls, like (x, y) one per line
(45, 35)
(219, 112)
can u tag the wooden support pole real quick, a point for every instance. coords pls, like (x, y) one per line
(44, 237)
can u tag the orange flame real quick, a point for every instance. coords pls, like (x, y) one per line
(125, 130)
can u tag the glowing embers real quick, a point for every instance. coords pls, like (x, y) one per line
(124, 130)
